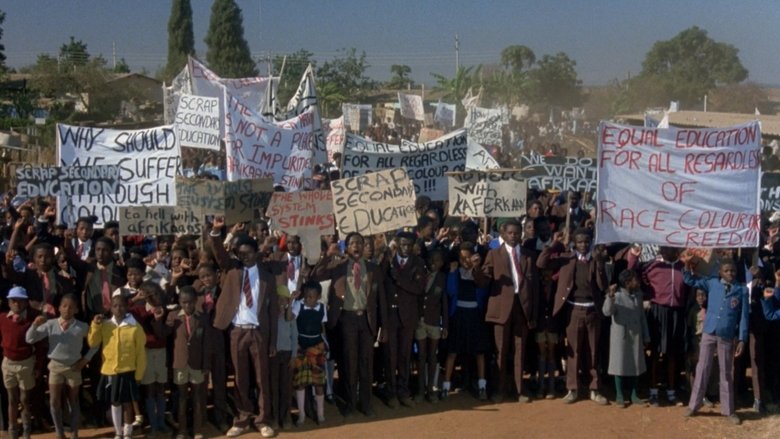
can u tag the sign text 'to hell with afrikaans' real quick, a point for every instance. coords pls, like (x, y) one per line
(679, 187)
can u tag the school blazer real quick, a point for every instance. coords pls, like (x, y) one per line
(557, 258)
(403, 289)
(277, 263)
(188, 350)
(32, 282)
(230, 297)
(496, 274)
(336, 271)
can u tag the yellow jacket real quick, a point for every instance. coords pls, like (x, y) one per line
(123, 346)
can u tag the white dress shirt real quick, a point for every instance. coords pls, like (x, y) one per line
(248, 315)
(515, 274)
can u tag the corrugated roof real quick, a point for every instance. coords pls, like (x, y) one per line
(770, 124)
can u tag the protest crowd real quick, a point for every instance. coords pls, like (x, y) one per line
(204, 290)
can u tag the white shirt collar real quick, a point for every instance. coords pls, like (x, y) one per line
(129, 320)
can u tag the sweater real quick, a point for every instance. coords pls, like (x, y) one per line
(64, 346)
(123, 346)
(12, 339)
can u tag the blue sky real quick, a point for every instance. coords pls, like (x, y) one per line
(607, 38)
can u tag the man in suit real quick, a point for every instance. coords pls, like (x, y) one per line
(248, 305)
(356, 285)
(399, 307)
(582, 281)
(512, 306)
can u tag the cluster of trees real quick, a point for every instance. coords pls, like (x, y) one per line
(683, 68)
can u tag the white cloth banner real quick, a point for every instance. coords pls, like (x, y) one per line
(427, 163)
(256, 148)
(181, 84)
(197, 122)
(445, 114)
(679, 187)
(304, 101)
(335, 135)
(479, 159)
(411, 106)
(149, 160)
(485, 125)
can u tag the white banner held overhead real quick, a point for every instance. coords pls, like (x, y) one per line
(492, 194)
(679, 187)
(148, 159)
(485, 125)
(335, 135)
(197, 122)
(411, 106)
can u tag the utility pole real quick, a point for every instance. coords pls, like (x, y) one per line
(113, 51)
(457, 54)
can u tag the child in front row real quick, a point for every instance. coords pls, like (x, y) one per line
(124, 362)
(189, 327)
(311, 316)
(628, 336)
(66, 338)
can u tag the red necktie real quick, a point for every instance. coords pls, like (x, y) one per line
(291, 270)
(105, 289)
(80, 250)
(187, 325)
(208, 302)
(247, 289)
(46, 287)
(356, 275)
(15, 318)
(402, 264)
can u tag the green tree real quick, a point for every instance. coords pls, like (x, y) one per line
(227, 51)
(2, 47)
(455, 88)
(400, 79)
(294, 66)
(330, 99)
(554, 82)
(73, 54)
(517, 58)
(181, 41)
(688, 66)
(121, 67)
(347, 74)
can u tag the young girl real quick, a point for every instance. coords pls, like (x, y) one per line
(434, 319)
(124, 362)
(66, 338)
(469, 332)
(311, 316)
(628, 335)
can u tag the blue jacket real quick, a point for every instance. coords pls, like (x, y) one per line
(772, 306)
(453, 278)
(726, 313)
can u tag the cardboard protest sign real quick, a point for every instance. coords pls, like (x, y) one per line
(149, 161)
(374, 203)
(479, 159)
(428, 134)
(67, 181)
(577, 174)
(197, 122)
(770, 191)
(445, 114)
(427, 163)
(335, 132)
(158, 220)
(485, 125)
(679, 187)
(491, 194)
(411, 106)
(181, 84)
(357, 116)
(259, 149)
(308, 214)
(237, 201)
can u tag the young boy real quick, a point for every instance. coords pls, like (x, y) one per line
(190, 335)
(725, 324)
(21, 361)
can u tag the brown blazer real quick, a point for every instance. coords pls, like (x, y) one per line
(497, 270)
(277, 263)
(434, 306)
(555, 257)
(230, 297)
(403, 290)
(188, 350)
(335, 270)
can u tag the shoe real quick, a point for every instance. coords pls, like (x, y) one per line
(181, 436)
(369, 413)
(348, 413)
(636, 400)
(138, 422)
(758, 407)
(320, 420)
(392, 403)
(329, 398)
(267, 431)
(653, 401)
(419, 398)
(432, 397)
(707, 403)
(522, 399)
(734, 419)
(673, 401)
(689, 412)
(444, 393)
(198, 436)
(236, 431)
(620, 403)
(300, 421)
(482, 395)
(597, 398)
(570, 397)
(407, 402)
(550, 395)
